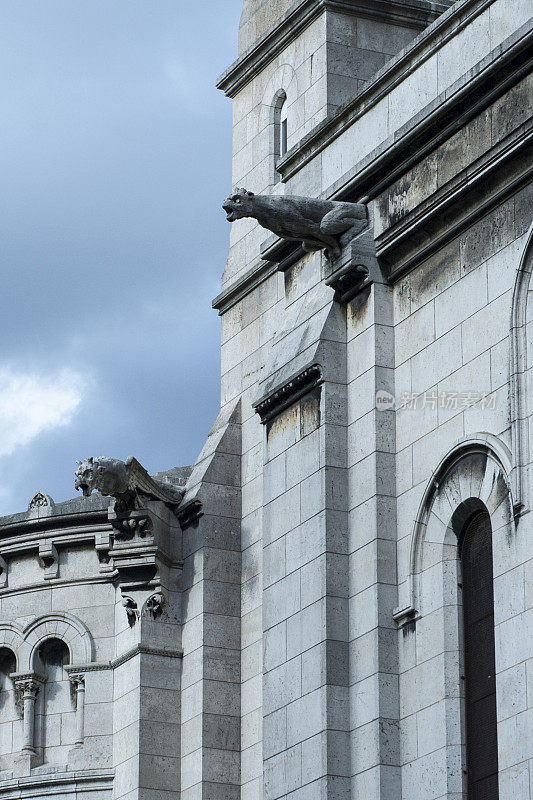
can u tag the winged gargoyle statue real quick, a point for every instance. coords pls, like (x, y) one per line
(126, 481)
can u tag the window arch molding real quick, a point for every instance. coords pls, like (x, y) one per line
(282, 87)
(12, 638)
(518, 377)
(438, 521)
(66, 627)
(279, 107)
(472, 477)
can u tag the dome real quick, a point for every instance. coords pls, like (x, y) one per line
(257, 17)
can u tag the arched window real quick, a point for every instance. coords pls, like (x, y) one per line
(479, 659)
(58, 718)
(280, 129)
(283, 128)
(10, 725)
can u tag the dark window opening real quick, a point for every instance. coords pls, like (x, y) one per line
(479, 659)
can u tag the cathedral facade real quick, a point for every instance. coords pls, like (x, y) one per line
(336, 601)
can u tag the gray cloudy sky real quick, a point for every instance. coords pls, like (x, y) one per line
(115, 155)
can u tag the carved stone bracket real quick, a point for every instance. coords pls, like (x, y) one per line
(132, 610)
(135, 525)
(154, 605)
(48, 559)
(358, 269)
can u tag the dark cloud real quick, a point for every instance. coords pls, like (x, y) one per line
(114, 156)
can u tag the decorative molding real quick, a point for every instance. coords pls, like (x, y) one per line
(418, 14)
(31, 587)
(405, 617)
(56, 625)
(287, 394)
(519, 142)
(41, 504)
(243, 285)
(518, 379)
(91, 667)
(497, 466)
(27, 526)
(92, 780)
(145, 650)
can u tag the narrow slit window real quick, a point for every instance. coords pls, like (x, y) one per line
(283, 129)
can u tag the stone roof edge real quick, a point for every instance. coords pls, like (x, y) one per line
(417, 13)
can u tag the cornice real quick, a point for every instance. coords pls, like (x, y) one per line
(518, 152)
(92, 780)
(285, 395)
(145, 650)
(243, 285)
(78, 520)
(461, 14)
(415, 13)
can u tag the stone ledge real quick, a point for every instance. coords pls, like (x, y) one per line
(56, 783)
(288, 393)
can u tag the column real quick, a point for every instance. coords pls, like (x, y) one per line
(78, 684)
(28, 687)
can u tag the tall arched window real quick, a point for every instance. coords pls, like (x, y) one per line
(10, 724)
(283, 128)
(280, 128)
(479, 658)
(58, 722)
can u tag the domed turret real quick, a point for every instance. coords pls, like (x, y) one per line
(257, 17)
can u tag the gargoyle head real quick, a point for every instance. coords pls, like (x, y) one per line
(238, 205)
(109, 476)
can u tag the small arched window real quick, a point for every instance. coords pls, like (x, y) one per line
(283, 128)
(280, 128)
(8, 665)
(479, 659)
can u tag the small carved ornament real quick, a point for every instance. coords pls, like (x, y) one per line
(155, 604)
(132, 610)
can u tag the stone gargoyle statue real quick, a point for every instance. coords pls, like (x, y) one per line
(317, 224)
(126, 481)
